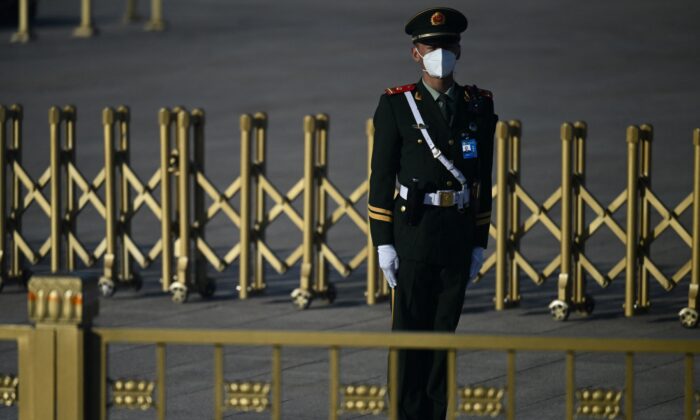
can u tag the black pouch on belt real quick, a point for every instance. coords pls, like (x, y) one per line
(414, 203)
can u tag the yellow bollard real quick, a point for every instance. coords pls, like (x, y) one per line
(246, 123)
(24, 33)
(632, 217)
(502, 137)
(156, 23)
(86, 28)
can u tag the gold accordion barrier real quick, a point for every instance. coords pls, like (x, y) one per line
(118, 194)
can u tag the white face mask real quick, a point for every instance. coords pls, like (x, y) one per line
(439, 63)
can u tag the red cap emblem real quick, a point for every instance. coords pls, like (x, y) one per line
(437, 19)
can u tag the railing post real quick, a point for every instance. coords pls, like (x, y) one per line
(24, 33)
(646, 132)
(372, 259)
(579, 181)
(632, 217)
(164, 119)
(156, 23)
(259, 164)
(55, 171)
(62, 307)
(246, 123)
(502, 137)
(564, 282)
(302, 296)
(321, 203)
(106, 282)
(86, 28)
(69, 158)
(515, 127)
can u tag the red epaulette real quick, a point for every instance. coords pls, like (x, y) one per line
(400, 89)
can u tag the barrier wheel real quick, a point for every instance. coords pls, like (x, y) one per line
(179, 292)
(137, 282)
(559, 310)
(588, 305)
(511, 303)
(207, 288)
(688, 317)
(301, 299)
(331, 293)
(24, 278)
(106, 287)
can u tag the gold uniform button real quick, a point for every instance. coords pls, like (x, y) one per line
(450, 142)
(420, 141)
(403, 209)
(449, 183)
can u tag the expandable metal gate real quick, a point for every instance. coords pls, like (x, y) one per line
(183, 184)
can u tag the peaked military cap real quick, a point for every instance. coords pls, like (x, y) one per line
(436, 24)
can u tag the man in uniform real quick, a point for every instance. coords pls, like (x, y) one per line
(433, 143)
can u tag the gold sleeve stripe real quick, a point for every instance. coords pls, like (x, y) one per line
(379, 210)
(483, 222)
(380, 217)
(484, 214)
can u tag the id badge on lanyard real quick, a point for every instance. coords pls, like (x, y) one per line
(469, 149)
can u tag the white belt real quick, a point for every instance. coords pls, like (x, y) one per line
(442, 198)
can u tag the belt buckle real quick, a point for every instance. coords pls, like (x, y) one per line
(447, 198)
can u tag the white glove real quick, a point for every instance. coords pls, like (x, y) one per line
(477, 262)
(389, 263)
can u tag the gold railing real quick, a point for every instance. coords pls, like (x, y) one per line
(87, 28)
(245, 394)
(573, 231)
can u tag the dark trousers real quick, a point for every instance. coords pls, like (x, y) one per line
(427, 298)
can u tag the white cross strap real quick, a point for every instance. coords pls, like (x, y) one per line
(437, 154)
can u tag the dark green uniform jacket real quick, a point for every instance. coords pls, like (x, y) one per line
(442, 235)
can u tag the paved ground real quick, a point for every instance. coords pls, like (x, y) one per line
(608, 64)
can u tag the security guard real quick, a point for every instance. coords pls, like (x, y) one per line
(433, 145)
